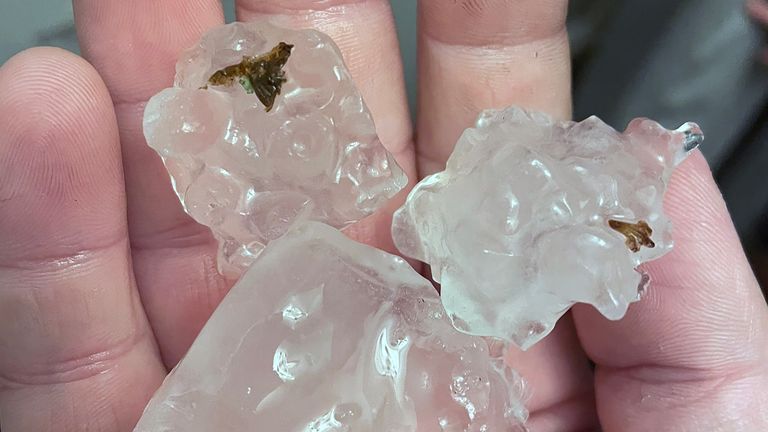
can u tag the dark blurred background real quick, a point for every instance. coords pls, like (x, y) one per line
(679, 60)
(671, 60)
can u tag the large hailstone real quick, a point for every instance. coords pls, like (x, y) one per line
(264, 129)
(531, 216)
(326, 334)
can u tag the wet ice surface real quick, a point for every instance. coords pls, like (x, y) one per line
(532, 215)
(322, 334)
(326, 334)
(250, 174)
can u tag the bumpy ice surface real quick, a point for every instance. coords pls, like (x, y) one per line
(516, 228)
(251, 174)
(325, 334)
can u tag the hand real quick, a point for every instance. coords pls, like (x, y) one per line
(104, 281)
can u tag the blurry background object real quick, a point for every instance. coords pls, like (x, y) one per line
(758, 11)
(23, 24)
(685, 60)
(675, 61)
(671, 60)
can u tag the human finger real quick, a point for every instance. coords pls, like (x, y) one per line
(76, 351)
(135, 45)
(693, 354)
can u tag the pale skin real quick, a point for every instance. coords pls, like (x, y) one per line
(104, 281)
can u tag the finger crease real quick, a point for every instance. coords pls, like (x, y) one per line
(75, 369)
(665, 375)
(187, 233)
(498, 44)
(130, 104)
(295, 7)
(44, 263)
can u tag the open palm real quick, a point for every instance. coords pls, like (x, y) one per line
(104, 281)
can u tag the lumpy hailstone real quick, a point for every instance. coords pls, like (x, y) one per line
(250, 174)
(323, 334)
(518, 226)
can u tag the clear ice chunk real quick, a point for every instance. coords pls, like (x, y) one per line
(531, 216)
(250, 168)
(326, 334)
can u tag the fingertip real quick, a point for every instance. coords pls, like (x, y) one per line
(695, 304)
(59, 153)
(49, 92)
(43, 65)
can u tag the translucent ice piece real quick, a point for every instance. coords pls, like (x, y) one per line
(249, 170)
(532, 215)
(326, 334)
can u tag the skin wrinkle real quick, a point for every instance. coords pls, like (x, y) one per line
(490, 64)
(186, 233)
(53, 265)
(292, 6)
(73, 369)
(30, 296)
(491, 22)
(89, 404)
(438, 19)
(688, 404)
(467, 79)
(661, 375)
(701, 334)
